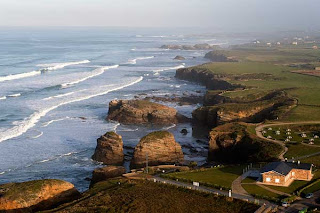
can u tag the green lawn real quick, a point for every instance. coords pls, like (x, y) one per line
(311, 189)
(295, 185)
(256, 190)
(249, 180)
(297, 150)
(223, 176)
(314, 160)
(295, 135)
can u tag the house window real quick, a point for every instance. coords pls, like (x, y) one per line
(277, 180)
(268, 179)
(293, 173)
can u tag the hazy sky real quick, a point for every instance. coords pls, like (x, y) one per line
(221, 14)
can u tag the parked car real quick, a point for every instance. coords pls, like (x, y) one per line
(285, 204)
(310, 195)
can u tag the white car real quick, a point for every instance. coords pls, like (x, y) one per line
(285, 204)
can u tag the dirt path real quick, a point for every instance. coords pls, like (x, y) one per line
(260, 127)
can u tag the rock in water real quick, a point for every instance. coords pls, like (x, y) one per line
(160, 147)
(36, 195)
(109, 149)
(141, 112)
(179, 57)
(105, 173)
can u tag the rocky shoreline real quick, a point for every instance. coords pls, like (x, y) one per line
(160, 147)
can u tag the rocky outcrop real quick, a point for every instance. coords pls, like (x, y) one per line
(271, 106)
(232, 143)
(205, 77)
(190, 47)
(142, 112)
(179, 57)
(105, 173)
(109, 149)
(218, 56)
(160, 147)
(36, 195)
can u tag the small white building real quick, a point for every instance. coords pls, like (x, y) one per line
(304, 135)
(278, 132)
(270, 128)
(269, 137)
(316, 136)
(295, 43)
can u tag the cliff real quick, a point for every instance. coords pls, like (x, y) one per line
(271, 106)
(205, 77)
(109, 149)
(219, 56)
(35, 195)
(160, 147)
(232, 143)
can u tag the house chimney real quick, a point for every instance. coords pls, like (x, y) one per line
(298, 162)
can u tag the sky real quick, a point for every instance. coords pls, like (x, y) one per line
(245, 15)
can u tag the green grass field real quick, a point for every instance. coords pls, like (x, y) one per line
(298, 150)
(258, 60)
(295, 185)
(256, 190)
(223, 176)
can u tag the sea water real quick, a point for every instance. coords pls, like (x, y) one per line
(55, 86)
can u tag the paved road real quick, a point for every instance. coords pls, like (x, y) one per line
(214, 191)
(236, 184)
(298, 205)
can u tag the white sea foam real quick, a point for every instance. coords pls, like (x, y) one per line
(3, 98)
(55, 66)
(157, 72)
(53, 121)
(58, 96)
(43, 161)
(32, 120)
(14, 95)
(38, 136)
(95, 73)
(1, 173)
(134, 61)
(18, 76)
(49, 67)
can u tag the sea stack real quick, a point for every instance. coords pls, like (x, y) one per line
(109, 149)
(160, 147)
(142, 112)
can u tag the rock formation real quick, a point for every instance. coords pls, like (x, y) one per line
(218, 56)
(36, 195)
(160, 147)
(178, 57)
(190, 47)
(205, 77)
(232, 143)
(109, 149)
(107, 172)
(142, 112)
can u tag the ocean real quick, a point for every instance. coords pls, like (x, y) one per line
(55, 86)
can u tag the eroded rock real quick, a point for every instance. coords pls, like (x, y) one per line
(109, 149)
(36, 195)
(160, 147)
(142, 112)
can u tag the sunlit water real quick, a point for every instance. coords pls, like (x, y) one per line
(55, 86)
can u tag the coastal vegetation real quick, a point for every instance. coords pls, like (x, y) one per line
(146, 196)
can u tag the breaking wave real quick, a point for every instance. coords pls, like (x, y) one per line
(48, 67)
(157, 72)
(32, 120)
(134, 61)
(95, 73)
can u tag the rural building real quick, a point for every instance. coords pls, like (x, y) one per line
(284, 173)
